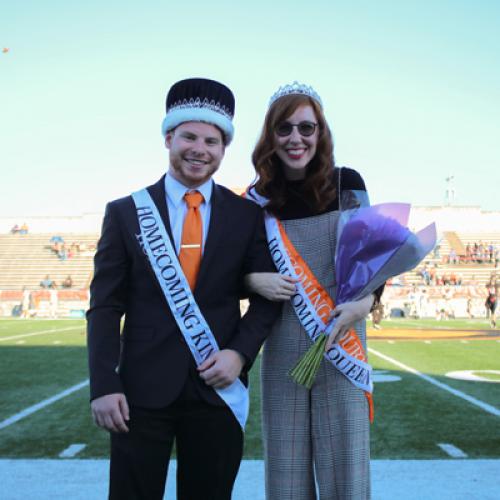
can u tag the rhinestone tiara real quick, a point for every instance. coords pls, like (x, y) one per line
(295, 88)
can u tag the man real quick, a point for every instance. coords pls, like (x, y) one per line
(46, 282)
(176, 370)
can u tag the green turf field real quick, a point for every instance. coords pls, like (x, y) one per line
(40, 359)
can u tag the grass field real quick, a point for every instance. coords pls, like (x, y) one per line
(40, 359)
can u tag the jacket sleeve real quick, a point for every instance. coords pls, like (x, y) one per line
(107, 306)
(256, 324)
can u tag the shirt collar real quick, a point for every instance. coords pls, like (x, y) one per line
(176, 190)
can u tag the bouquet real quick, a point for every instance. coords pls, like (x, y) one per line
(373, 245)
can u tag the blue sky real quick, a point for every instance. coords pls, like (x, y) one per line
(411, 91)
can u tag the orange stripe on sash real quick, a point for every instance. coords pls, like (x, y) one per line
(324, 305)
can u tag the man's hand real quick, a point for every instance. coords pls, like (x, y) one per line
(346, 315)
(111, 412)
(222, 368)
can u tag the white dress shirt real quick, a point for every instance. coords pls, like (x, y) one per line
(177, 207)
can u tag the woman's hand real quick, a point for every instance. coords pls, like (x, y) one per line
(272, 286)
(346, 315)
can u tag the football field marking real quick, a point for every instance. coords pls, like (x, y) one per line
(481, 404)
(452, 451)
(43, 332)
(474, 375)
(42, 404)
(72, 450)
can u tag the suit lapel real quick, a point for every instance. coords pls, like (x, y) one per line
(215, 229)
(157, 192)
(215, 232)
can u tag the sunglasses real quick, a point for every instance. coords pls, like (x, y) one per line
(305, 128)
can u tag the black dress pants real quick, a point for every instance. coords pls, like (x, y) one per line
(209, 445)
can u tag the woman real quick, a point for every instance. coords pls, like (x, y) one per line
(316, 441)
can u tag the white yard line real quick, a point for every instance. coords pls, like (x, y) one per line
(484, 406)
(452, 451)
(72, 450)
(41, 333)
(42, 404)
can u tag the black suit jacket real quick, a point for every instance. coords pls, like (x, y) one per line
(150, 360)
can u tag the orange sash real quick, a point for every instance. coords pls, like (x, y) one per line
(324, 305)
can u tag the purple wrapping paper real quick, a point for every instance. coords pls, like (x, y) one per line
(373, 245)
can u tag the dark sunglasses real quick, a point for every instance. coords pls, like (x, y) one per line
(305, 128)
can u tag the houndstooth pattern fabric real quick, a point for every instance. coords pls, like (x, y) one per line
(317, 437)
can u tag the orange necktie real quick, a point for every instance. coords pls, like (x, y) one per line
(192, 235)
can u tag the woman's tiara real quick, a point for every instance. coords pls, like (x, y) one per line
(295, 88)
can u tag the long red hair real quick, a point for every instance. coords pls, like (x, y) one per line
(319, 185)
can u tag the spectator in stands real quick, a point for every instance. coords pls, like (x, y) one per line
(62, 254)
(68, 282)
(432, 275)
(468, 253)
(453, 257)
(489, 252)
(15, 229)
(480, 255)
(424, 274)
(437, 249)
(46, 282)
(24, 229)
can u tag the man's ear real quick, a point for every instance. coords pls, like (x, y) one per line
(168, 139)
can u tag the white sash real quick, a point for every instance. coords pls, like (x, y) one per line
(356, 370)
(180, 299)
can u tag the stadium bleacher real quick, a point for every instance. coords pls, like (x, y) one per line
(472, 273)
(26, 259)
